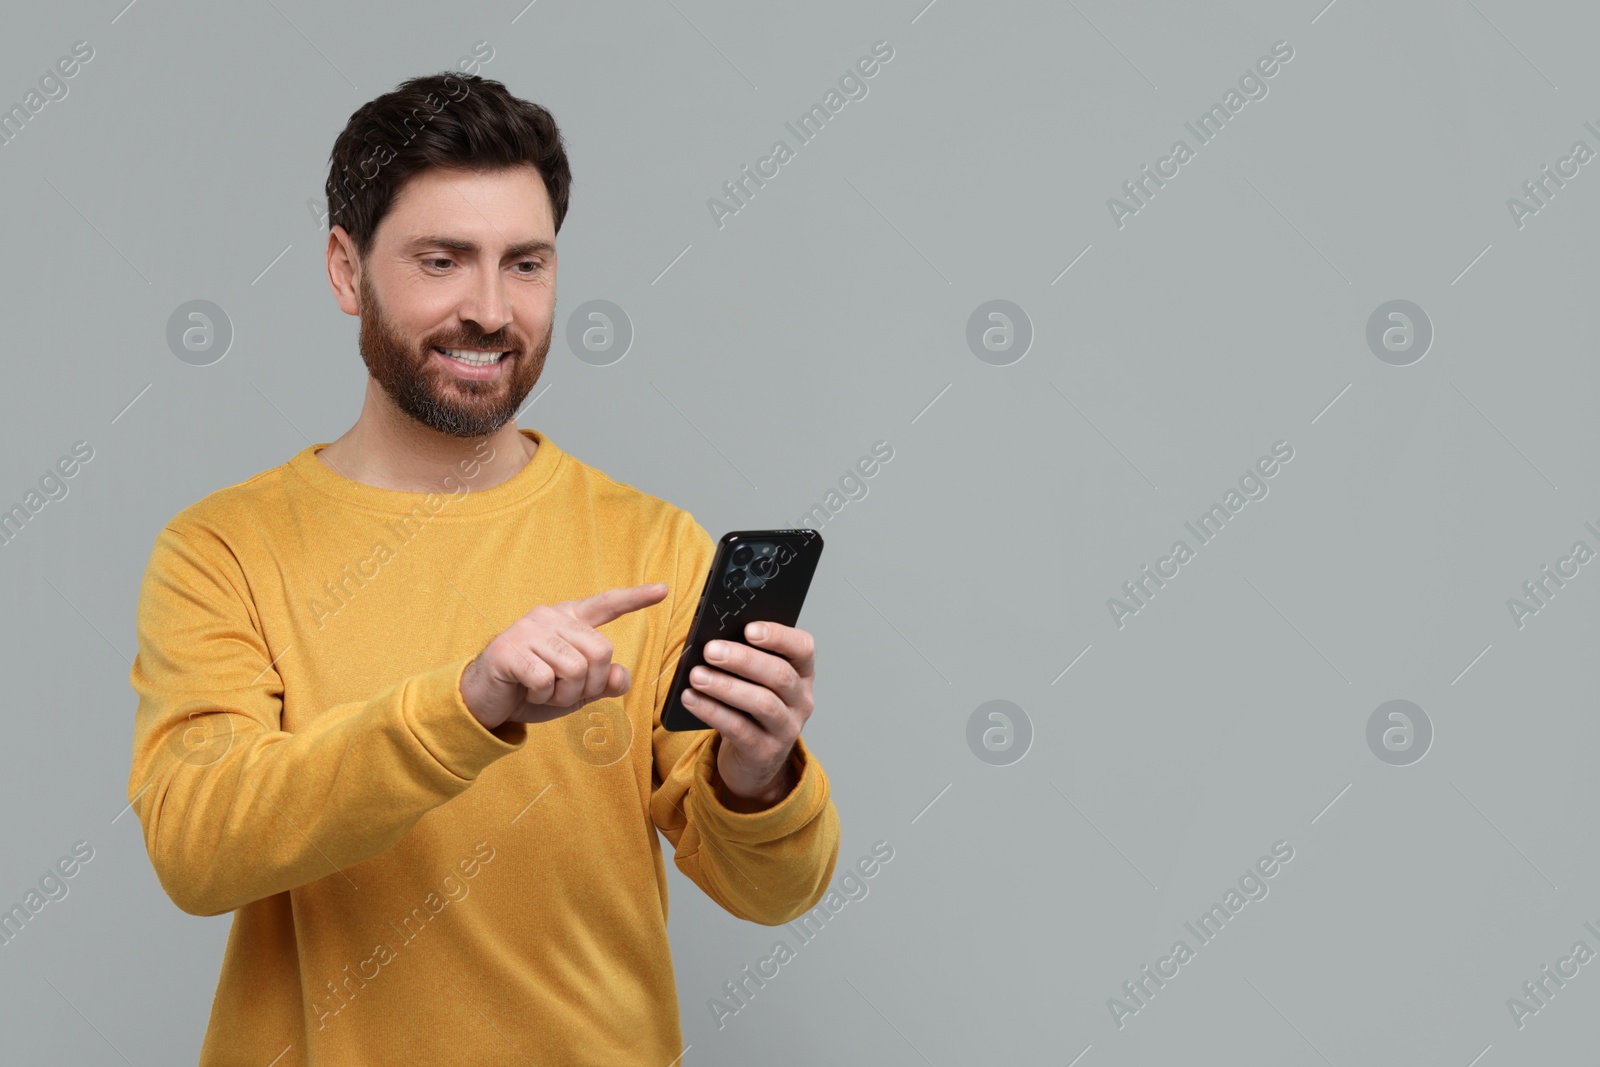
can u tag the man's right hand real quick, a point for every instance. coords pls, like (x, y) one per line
(552, 661)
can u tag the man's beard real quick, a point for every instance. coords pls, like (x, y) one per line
(461, 407)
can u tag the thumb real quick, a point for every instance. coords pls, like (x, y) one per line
(618, 681)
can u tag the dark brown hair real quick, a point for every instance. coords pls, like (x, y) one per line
(448, 119)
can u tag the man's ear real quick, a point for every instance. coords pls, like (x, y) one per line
(344, 270)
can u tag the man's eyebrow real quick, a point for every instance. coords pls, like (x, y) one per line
(459, 244)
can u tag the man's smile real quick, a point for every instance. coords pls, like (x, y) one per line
(474, 362)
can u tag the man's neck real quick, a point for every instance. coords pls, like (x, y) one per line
(392, 451)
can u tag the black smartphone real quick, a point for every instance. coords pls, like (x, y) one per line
(756, 576)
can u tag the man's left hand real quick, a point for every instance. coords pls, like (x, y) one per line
(770, 684)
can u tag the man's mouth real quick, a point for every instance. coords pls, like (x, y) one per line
(471, 357)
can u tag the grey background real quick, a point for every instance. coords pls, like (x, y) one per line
(830, 313)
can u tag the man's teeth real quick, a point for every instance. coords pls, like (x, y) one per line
(471, 358)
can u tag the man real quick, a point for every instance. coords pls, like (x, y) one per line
(377, 718)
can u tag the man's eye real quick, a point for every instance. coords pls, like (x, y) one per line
(432, 262)
(535, 264)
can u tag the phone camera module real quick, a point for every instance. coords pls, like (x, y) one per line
(750, 565)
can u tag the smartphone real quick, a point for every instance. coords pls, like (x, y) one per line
(756, 576)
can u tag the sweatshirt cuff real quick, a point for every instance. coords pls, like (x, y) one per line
(804, 802)
(442, 723)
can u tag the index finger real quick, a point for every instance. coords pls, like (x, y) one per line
(792, 643)
(601, 608)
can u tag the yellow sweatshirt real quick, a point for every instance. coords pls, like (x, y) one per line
(407, 886)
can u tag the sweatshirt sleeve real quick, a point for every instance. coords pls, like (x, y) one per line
(235, 809)
(768, 866)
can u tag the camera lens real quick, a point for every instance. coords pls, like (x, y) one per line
(734, 579)
(764, 567)
(742, 554)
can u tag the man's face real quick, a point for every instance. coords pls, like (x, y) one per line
(462, 260)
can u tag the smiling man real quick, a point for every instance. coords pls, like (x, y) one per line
(378, 720)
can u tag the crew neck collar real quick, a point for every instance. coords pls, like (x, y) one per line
(517, 489)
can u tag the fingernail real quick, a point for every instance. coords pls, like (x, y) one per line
(756, 631)
(716, 651)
